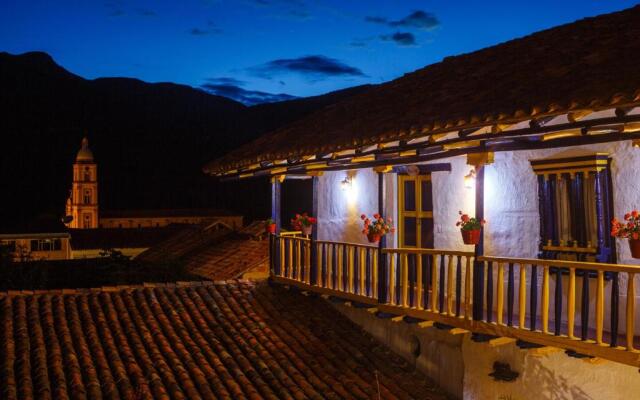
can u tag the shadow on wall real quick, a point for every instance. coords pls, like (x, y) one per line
(549, 385)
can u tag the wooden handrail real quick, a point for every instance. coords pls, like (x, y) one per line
(592, 266)
(291, 237)
(368, 246)
(405, 250)
(290, 233)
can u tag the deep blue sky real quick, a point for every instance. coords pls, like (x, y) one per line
(297, 47)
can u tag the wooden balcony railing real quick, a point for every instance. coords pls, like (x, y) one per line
(546, 302)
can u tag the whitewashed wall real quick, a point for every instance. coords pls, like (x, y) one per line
(339, 210)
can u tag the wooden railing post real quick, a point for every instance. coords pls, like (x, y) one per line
(478, 266)
(314, 267)
(382, 258)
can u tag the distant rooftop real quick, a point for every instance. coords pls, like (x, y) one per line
(165, 213)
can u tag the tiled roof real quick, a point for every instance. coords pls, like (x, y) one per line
(590, 64)
(228, 259)
(224, 341)
(189, 239)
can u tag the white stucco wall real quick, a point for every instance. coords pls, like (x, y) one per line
(339, 210)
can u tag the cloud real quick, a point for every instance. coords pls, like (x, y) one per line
(210, 29)
(114, 8)
(418, 19)
(401, 38)
(316, 66)
(224, 87)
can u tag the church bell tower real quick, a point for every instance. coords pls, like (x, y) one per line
(82, 204)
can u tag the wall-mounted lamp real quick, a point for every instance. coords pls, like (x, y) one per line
(470, 179)
(346, 183)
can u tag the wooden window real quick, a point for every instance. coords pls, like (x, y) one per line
(415, 208)
(575, 208)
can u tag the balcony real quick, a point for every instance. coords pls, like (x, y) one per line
(542, 302)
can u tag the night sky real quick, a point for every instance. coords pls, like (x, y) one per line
(268, 50)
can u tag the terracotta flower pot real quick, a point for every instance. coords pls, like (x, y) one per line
(634, 245)
(270, 228)
(471, 237)
(373, 237)
(306, 230)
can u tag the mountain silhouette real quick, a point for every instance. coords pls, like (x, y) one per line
(150, 140)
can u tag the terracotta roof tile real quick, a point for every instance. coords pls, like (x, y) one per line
(591, 63)
(228, 259)
(228, 341)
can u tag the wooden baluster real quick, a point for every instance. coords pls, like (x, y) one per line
(427, 261)
(510, 295)
(450, 278)
(631, 297)
(434, 283)
(489, 291)
(392, 278)
(344, 268)
(351, 278)
(500, 294)
(545, 299)
(335, 268)
(355, 276)
(585, 305)
(374, 274)
(298, 270)
(368, 272)
(458, 285)
(320, 264)
(404, 279)
(558, 302)
(599, 307)
(533, 298)
(468, 296)
(571, 303)
(442, 285)
(308, 262)
(283, 264)
(522, 299)
(290, 269)
(419, 283)
(363, 271)
(615, 300)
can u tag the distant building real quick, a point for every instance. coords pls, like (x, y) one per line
(39, 242)
(82, 204)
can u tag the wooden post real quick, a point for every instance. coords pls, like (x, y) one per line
(382, 258)
(478, 267)
(275, 215)
(315, 267)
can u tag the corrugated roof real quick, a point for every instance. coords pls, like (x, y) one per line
(589, 64)
(225, 341)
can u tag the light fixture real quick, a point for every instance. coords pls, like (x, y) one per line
(346, 183)
(470, 179)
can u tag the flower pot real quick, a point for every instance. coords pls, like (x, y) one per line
(471, 237)
(634, 246)
(373, 237)
(270, 228)
(306, 230)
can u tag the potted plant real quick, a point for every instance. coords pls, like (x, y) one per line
(376, 227)
(303, 222)
(470, 228)
(629, 229)
(270, 226)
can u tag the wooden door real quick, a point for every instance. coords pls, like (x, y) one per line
(415, 209)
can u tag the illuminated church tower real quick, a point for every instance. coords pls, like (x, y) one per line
(82, 204)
